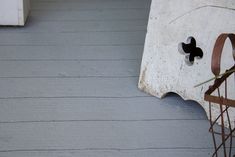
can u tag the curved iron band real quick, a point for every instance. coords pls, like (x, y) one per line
(220, 100)
(217, 51)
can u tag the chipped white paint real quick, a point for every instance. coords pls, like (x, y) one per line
(163, 68)
(14, 12)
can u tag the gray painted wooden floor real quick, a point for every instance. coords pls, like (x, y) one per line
(69, 87)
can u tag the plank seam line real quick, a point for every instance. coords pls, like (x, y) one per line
(68, 32)
(53, 1)
(93, 10)
(97, 120)
(118, 20)
(69, 60)
(105, 149)
(71, 97)
(74, 46)
(83, 10)
(91, 20)
(137, 44)
(65, 77)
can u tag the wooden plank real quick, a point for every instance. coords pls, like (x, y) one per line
(81, 38)
(105, 135)
(88, 5)
(34, 26)
(69, 87)
(96, 15)
(96, 68)
(114, 153)
(98, 109)
(71, 52)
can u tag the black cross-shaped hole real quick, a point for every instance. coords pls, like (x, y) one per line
(190, 50)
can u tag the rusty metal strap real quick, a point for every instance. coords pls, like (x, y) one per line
(217, 51)
(219, 81)
(216, 99)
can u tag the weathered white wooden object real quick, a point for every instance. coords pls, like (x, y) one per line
(14, 12)
(171, 22)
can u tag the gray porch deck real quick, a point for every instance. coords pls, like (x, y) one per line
(69, 87)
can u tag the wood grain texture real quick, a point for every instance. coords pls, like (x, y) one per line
(89, 5)
(98, 109)
(52, 68)
(113, 153)
(35, 26)
(94, 15)
(99, 135)
(81, 38)
(69, 87)
(58, 52)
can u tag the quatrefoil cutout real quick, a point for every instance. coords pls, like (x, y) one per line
(190, 50)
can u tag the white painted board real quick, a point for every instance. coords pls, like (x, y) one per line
(171, 22)
(14, 12)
